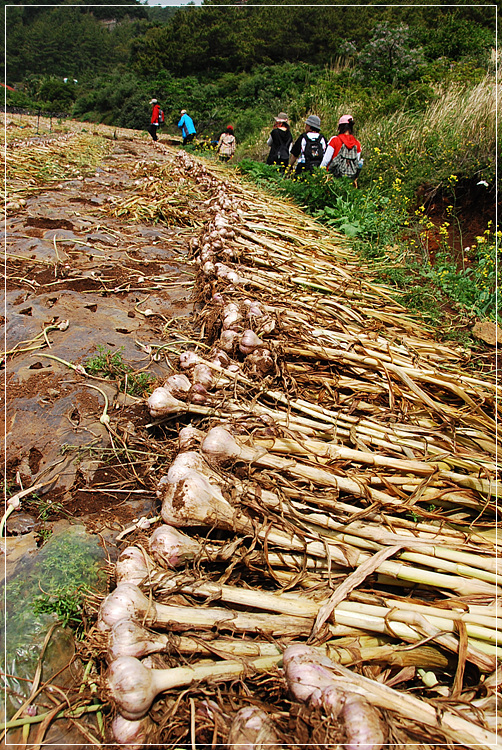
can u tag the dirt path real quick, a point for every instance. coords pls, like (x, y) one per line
(81, 284)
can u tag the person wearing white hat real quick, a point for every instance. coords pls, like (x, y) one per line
(154, 120)
(308, 149)
(343, 155)
(187, 127)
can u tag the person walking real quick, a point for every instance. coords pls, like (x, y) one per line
(308, 150)
(280, 140)
(343, 154)
(154, 120)
(226, 144)
(187, 127)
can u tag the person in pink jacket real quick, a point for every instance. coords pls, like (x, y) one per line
(342, 157)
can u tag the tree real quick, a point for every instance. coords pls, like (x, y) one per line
(390, 56)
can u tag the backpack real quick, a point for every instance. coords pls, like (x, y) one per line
(283, 153)
(161, 117)
(345, 163)
(313, 152)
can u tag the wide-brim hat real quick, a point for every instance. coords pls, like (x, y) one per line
(282, 117)
(314, 121)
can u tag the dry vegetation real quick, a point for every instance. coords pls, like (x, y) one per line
(331, 482)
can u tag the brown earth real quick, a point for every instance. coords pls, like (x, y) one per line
(69, 259)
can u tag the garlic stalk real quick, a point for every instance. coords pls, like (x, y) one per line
(127, 601)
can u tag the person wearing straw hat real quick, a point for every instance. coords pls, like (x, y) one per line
(308, 149)
(343, 154)
(280, 140)
(154, 120)
(187, 127)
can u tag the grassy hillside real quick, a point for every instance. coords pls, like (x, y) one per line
(419, 82)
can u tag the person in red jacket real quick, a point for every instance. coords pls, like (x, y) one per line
(154, 120)
(352, 164)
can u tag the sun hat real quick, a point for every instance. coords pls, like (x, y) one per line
(282, 117)
(152, 101)
(314, 121)
(345, 119)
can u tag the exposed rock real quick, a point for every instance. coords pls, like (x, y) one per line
(488, 332)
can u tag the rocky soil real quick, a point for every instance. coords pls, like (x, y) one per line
(81, 286)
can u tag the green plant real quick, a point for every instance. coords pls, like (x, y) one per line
(66, 604)
(111, 366)
(46, 507)
(42, 535)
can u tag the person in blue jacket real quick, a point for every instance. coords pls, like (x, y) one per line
(187, 127)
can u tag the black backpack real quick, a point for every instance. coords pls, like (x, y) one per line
(161, 117)
(283, 152)
(313, 151)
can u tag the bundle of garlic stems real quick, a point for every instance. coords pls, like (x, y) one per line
(342, 444)
(128, 638)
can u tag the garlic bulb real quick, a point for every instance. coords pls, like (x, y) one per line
(133, 565)
(188, 359)
(178, 384)
(249, 341)
(220, 446)
(125, 601)
(310, 679)
(208, 268)
(259, 362)
(228, 339)
(234, 278)
(220, 358)
(198, 394)
(194, 501)
(186, 462)
(232, 320)
(190, 437)
(162, 403)
(254, 310)
(132, 735)
(134, 688)
(221, 270)
(202, 374)
(172, 547)
(253, 729)
(128, 638)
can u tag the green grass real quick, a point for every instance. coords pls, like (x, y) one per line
(110, 365)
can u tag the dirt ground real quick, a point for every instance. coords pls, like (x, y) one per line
(80, 284)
